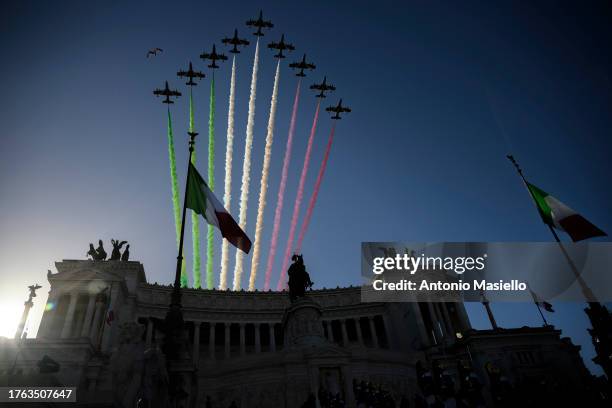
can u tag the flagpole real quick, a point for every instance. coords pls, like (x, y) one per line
(598, 314)
(175, 346)
(176, 292)
(537, 304)
(485, 303)
(586, 290)
(541, 314)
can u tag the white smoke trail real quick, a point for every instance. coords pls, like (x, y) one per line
(227, 195)
(246, 168)
(265, 172)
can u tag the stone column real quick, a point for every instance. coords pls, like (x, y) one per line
(227, 340)
(257, 338)
(211, 341)
(387, 325)
(88, 316)
(348, 385)
(24, 316)
(373, 331)
(69, 316)
(196, 342)
(359, 333)
(416, 309)
(49, 316)
(272, 338)
(149, 338)
(96, 322)
(242, 340)
(330, 330)
(345, 339)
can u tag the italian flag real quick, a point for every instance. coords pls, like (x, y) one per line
(202, 201)
(560, 216)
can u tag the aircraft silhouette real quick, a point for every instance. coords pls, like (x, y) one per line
(323, 87)
(154, 51)
(191, 74)
(338, 109)
(213, 56)
(280, 46)
(259, 23)
(302, 65)
(235, 41)
(168, 93)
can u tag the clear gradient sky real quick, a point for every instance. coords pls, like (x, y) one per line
(440, 93)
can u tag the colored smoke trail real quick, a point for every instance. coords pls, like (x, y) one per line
(281, 190)
(298, 201)
(210, 280)
(265, 173)
(315, 193)
(174, 181)
(227, 195)
(195, 221)
(246, 167)
(176, 206)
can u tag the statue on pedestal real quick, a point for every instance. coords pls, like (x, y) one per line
(126, 254)
(299, 280)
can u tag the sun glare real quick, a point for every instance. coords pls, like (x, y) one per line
(9, 318)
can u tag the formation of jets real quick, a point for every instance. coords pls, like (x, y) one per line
(260, 23)
(281, 46)
(235, 41)
(213, 56)
(167, 93)
(191, 74)
(338, 109)
(323, 87)
(154, 52)
(302, 65)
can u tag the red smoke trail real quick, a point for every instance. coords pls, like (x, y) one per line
(298, 202)
(281, 190)
(315, 193)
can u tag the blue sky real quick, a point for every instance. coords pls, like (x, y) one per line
(440, 93)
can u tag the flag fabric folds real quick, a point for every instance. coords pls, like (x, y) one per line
(560, 216)
(202, 201)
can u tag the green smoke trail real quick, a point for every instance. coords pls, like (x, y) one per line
(210, 281)
(195, 221)
(175, 192)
